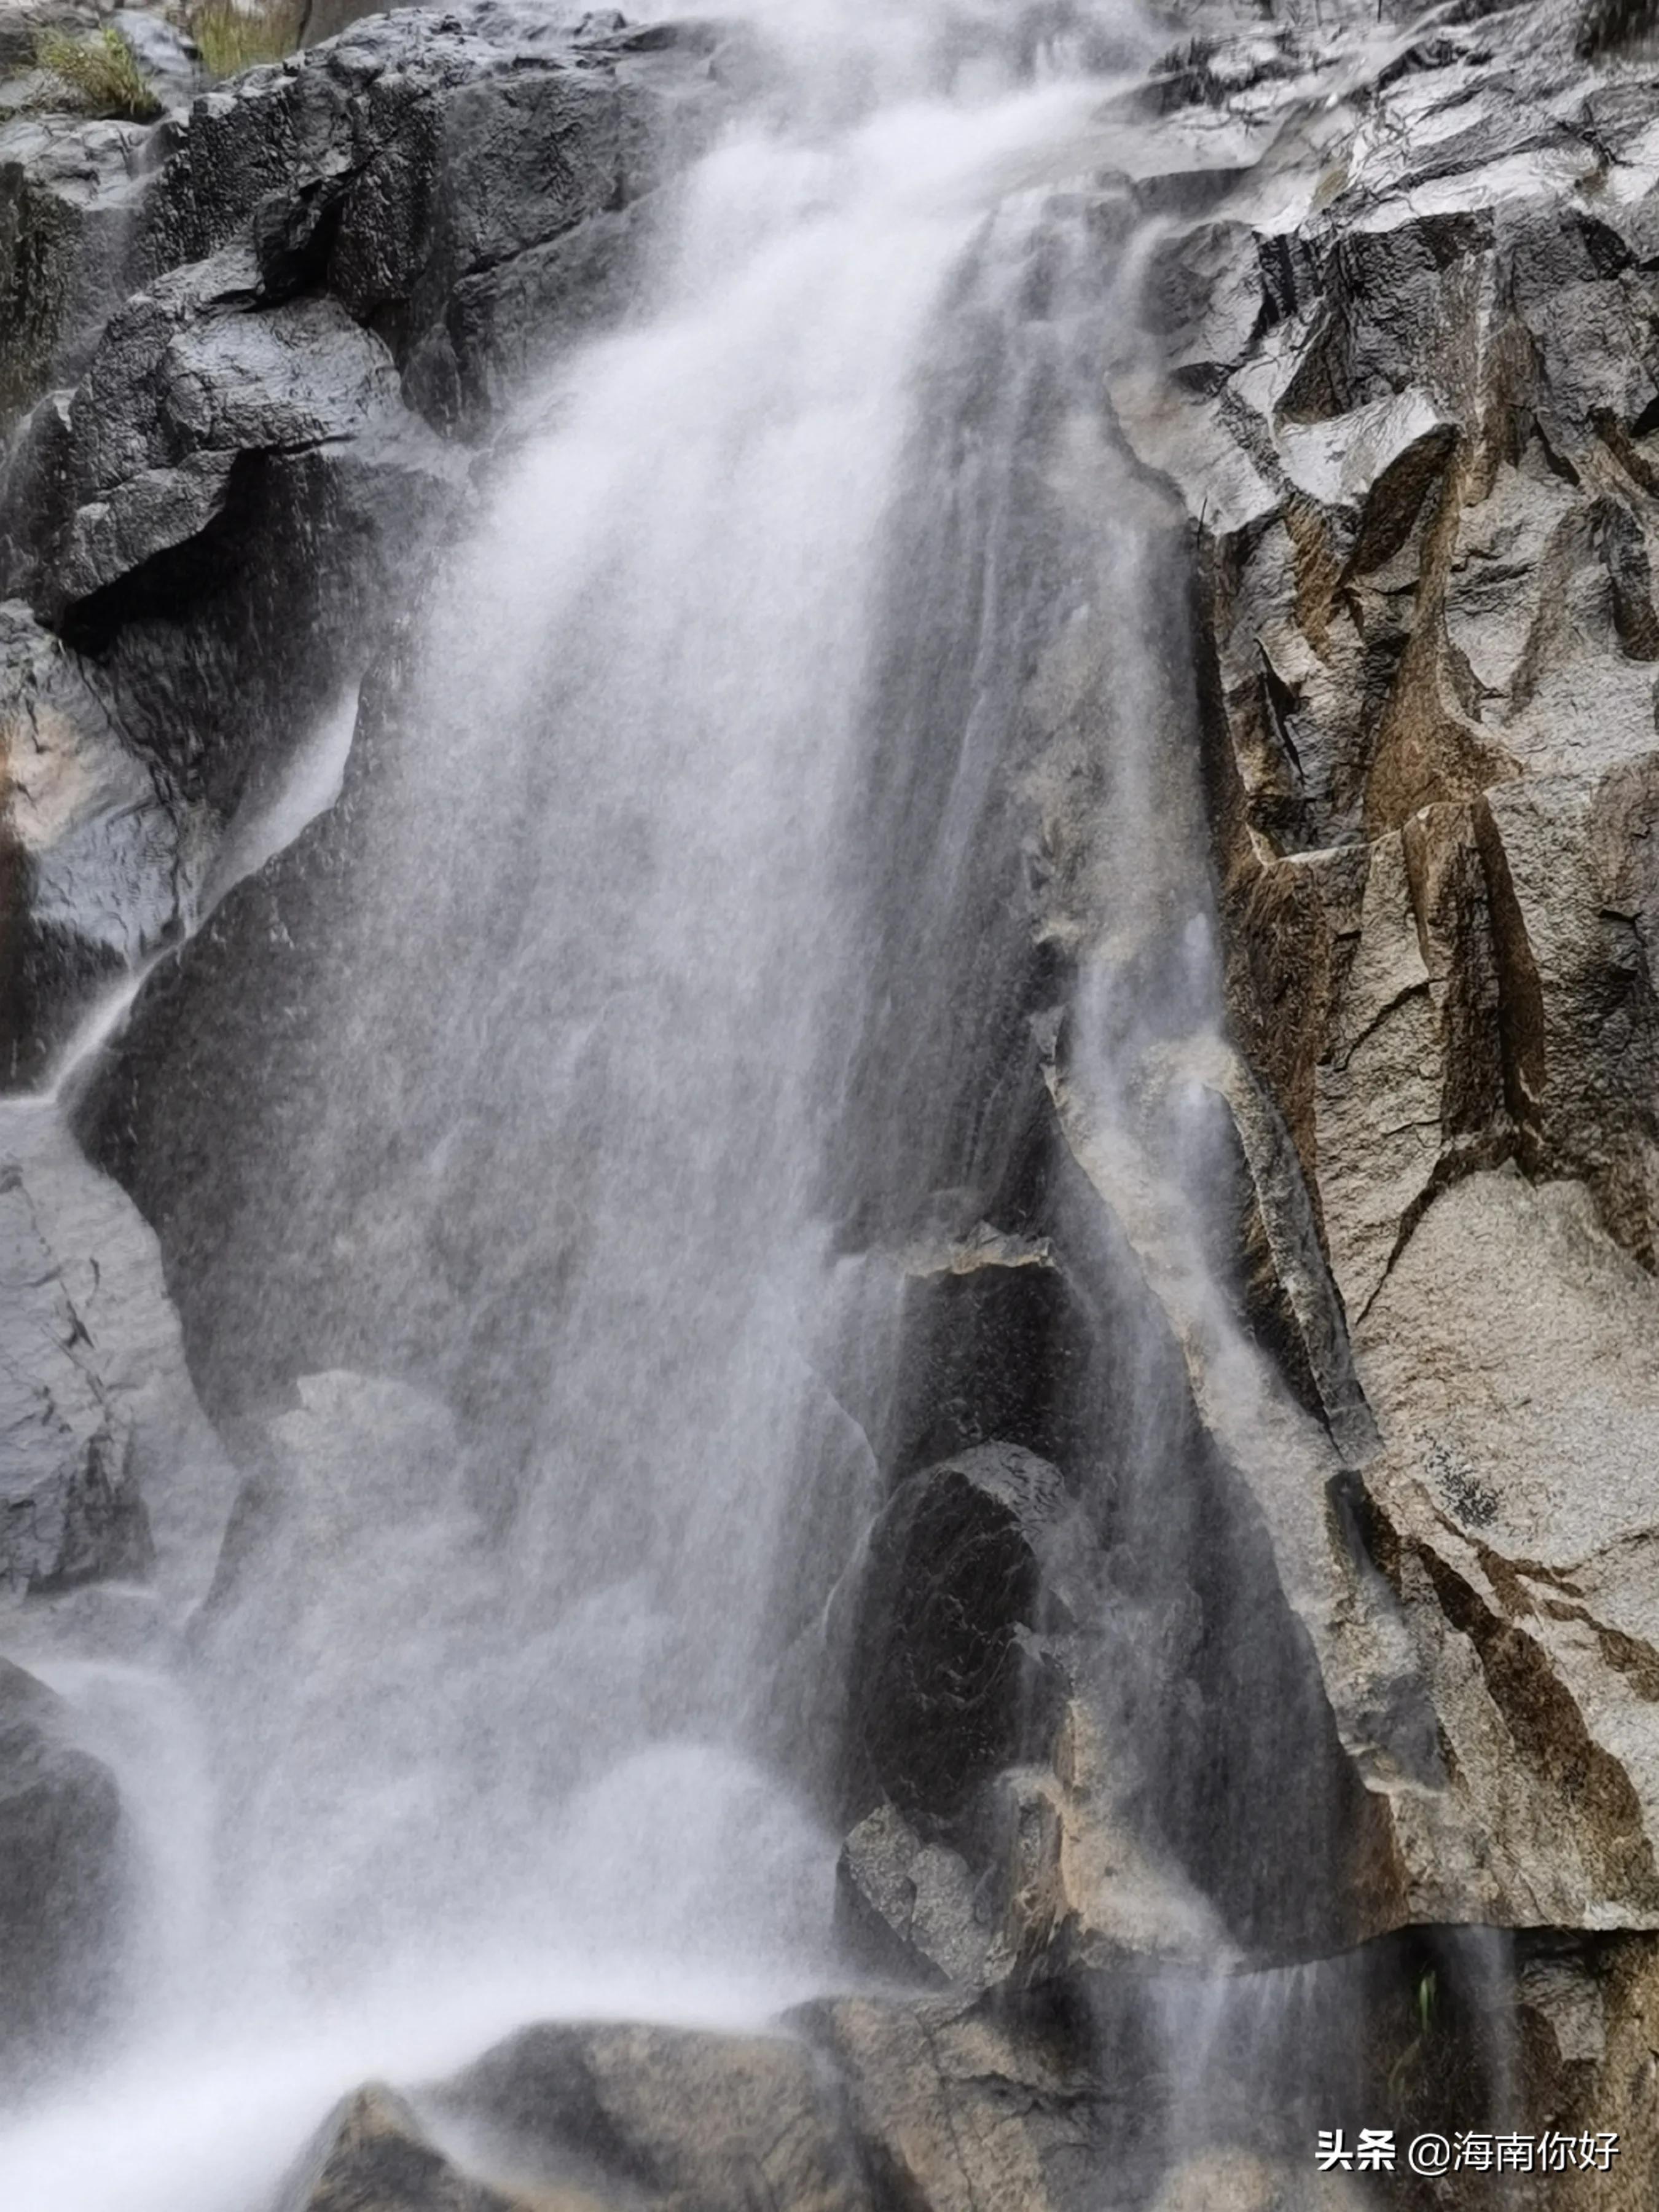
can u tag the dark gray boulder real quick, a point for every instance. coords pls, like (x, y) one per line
(109, 1468)
(952, 1681)
(420, 151)
(61, 1883)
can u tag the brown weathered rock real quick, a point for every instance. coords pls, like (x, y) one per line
(1239, 2181)
(1588, 2059)
(1411, 413)
(951, 2110)
(372, 2155)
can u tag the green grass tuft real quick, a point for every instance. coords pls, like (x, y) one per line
(230, 38)
(99, 75)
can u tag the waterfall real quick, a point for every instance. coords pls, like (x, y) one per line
(715, 899)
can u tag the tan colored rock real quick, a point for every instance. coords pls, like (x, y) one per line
(1513, 1362)
(1434, 778)
(1588, 2060)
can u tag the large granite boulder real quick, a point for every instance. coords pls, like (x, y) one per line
(1005, 1659)
(952, 2106)
(848, 2104)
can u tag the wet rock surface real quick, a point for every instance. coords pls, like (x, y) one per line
(241, 350)
(1589, 2042)
(850, 2105)
(62, 1899)
(72, 1507)
(1409, 404)
(111, 1469)
(98, 843)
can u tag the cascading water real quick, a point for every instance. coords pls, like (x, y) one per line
(713, 849)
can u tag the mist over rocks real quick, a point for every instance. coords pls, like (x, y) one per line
(372, 2155)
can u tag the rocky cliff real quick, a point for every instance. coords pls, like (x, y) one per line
(1407, 410)
(1392, 395)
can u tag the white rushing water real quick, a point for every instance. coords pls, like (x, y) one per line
(471, 1738)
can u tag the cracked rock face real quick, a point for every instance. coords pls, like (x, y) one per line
(1406, 390)
(242, 352)
(72, 1507)
(110, 1470)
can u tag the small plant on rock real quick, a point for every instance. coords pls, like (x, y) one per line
(230, 37)
(99, 75)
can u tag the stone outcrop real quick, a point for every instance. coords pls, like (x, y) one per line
(953, 2107)
(1588, 2045)
(96, 842)
(72, 1507)
(241, 351)
(373, 2155)
(1400, 379)
(992, 1844)
(110, 1469)
(851, 2105)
